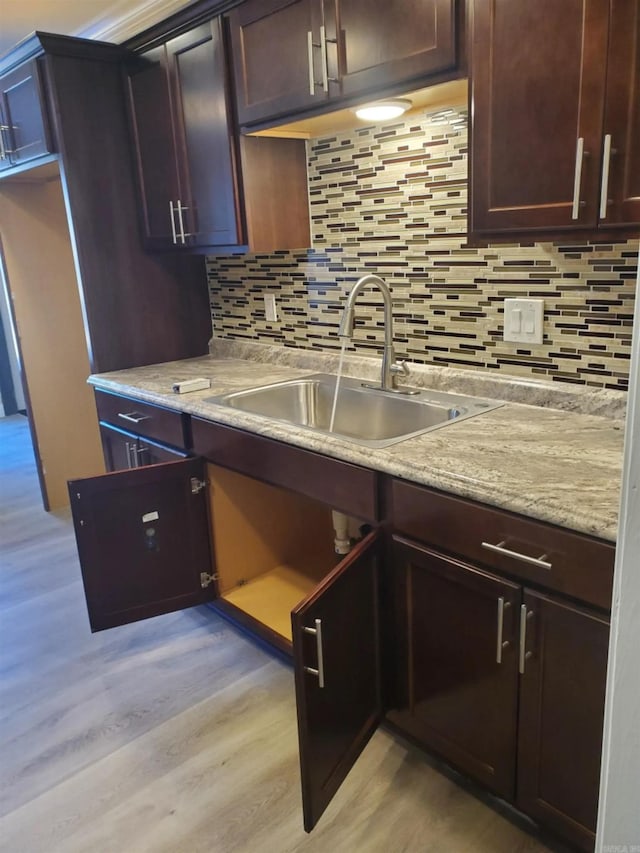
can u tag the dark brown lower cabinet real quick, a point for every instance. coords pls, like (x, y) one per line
(505, 683)
(168, 536)
(458, 663)
(562, 693)
(124, 450)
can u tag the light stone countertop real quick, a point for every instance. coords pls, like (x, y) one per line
(554, 464)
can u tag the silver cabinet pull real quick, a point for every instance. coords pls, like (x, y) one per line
(182, 234)
(133, 417)
(3, 150)
(525, 615)
(577, 177)
(325, 67)
(604, 186)
(138, 455)
(172, 217)
(500, 644)
(541, 561)
(312, 76)
(130, 463)
(317, 633)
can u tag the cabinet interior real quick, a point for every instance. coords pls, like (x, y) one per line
(272, 547)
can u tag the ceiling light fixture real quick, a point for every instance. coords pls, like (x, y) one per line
(383, 110)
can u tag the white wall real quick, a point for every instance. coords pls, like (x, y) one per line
(619, 817)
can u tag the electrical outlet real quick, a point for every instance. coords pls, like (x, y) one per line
(523, 320)
(270, 310)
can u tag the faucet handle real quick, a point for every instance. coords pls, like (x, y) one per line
(399, 368)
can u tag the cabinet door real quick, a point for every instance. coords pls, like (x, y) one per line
(458, 664)
(25, 131)
(382, 43)
(562, 694)
(143, 541)
(155, 148)
(204, 136)
(539, 72)
(336, 648)
(620, 192)
(277, 58)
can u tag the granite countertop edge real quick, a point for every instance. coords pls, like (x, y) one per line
(557, 465)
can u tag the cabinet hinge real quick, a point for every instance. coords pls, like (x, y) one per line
(197, 485)
(206, 579)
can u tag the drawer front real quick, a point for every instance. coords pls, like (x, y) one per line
(553, 557)
(342, 486)
(141, 418)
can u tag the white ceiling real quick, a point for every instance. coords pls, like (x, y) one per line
(110, 20)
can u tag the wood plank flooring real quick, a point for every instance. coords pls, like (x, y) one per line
(177, 734)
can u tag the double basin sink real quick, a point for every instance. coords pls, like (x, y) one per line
(363, 415)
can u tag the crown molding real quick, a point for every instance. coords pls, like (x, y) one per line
(119, 29)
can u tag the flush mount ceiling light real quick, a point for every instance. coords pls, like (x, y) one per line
(383, 110)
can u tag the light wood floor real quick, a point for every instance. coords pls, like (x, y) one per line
(177, 734)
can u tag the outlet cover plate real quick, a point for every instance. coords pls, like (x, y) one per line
(523, 320)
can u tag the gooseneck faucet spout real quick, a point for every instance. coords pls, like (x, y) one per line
(390, 368)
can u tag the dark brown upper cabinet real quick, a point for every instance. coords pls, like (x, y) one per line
(292, 56)
(24, 127)
(556, 121)
(201, 187)
(185, 149)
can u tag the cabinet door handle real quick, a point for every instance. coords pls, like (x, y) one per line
(500, 644)
(183, 234)
(317, 633)
(172, 217)
(139, 459)
(3, 150)
(577, 177)
(541, 561)
(525, 615)
(133, 417)
(325, 66)
(604, 186)
(128, 450)
(312, 76)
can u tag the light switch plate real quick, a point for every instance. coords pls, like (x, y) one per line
(523, 320)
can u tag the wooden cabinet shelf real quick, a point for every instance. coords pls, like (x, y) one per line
(556, 119)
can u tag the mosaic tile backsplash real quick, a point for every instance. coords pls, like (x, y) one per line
(392, 200)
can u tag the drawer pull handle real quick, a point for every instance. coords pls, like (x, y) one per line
(317, 633)
(500, 645)
(541, 561)
(604, 186)
(133, 417)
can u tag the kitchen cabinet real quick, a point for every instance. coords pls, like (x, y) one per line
(504, 681)
(556, 122)
(135, 434)
(24, 126)
(561, 715)
(197, 180)
(290, 56)
(495, 626)
(245, 529)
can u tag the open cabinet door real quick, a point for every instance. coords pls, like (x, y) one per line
(143, 541)
(336, 646)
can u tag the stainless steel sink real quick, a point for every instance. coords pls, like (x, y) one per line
(363, 415)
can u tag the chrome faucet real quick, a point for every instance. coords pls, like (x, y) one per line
(391, 368)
